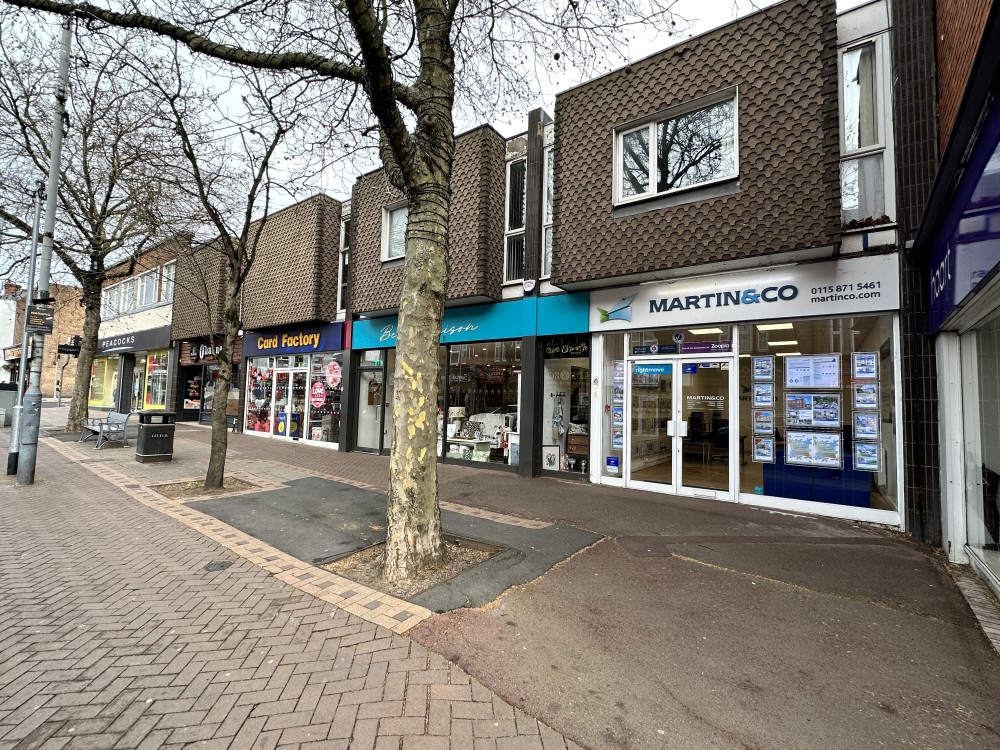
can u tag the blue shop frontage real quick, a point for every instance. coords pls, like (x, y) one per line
(295, 382)
(958, 250)
(513, 384)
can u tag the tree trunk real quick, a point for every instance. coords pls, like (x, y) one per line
(220, 430)
(413, 538)
(78, 407)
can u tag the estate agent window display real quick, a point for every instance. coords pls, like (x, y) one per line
(820, 410)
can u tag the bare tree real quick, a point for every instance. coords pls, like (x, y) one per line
(411, 59)
(230, 177)
(110, 191)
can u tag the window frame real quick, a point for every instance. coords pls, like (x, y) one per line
(143, 283)
(168, 277)
(343, 261)
(126, 302)
(547, 219)
(884, 142)
(387, 212)
(509, 233)
(650, 123)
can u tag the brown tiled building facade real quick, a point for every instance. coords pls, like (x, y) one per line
(475, 234)
(294, 274)
(782, 62)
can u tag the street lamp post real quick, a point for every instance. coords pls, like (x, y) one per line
(15, 425)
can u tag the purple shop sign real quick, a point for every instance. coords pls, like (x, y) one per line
(706, 347)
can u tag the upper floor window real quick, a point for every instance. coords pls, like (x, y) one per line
(167, 287)
(677, 150)
(394, 220)
(139, 291)
(345, 252)
(864, 137)
(513, 260)
(146, 288)
(109, 301)
(126, 297)
(548, 160)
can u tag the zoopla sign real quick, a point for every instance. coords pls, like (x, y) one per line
(846, 286)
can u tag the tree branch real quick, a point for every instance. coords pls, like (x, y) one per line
(321, 64)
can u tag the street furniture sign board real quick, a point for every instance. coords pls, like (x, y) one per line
(39, 319)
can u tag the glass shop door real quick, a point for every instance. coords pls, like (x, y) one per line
(678, 437)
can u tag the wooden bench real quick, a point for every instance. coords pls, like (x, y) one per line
(110, 429)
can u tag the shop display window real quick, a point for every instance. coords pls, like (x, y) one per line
(156, 381)
(326, 378)
(208, 400)
(104, 382)
(565, 412)
(817, 411)
(482, 400)
(983, 453)
(613, 415)
(260, 383)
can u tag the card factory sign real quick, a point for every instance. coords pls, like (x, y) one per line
(840, 287)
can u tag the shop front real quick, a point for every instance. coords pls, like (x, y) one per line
(140, 361)
(493, 360)
(12, 360)
(198, 373)
(295, 382)
(962, 278)
(775, 387)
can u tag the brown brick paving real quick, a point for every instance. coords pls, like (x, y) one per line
(113, 635)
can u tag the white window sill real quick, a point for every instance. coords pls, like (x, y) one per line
(872, 228)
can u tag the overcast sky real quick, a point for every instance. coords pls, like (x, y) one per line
(703, 15)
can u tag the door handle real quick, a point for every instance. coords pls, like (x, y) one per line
(682, 428)
(670, 428)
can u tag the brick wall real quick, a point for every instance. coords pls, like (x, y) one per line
(960, 26)
(155, 257)
(67, 321)
(783, 61)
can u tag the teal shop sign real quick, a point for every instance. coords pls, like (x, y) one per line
(652, 369)
(546, 316)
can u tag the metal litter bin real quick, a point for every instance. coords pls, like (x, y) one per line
(156, 436)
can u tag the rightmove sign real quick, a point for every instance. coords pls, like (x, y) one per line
(847, 286)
